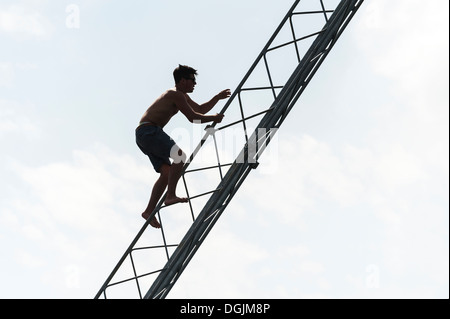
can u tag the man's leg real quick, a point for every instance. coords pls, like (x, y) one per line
(175, 174)
(157, 192)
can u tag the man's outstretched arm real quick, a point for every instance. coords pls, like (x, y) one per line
(206, 107)
(181, 101)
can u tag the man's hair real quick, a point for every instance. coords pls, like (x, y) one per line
(183, 72)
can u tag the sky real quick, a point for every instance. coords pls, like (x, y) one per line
(350, 200)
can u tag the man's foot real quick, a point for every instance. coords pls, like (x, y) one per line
(153, 222)
(174, 200)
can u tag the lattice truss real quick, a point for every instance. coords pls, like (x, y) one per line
(230, 150)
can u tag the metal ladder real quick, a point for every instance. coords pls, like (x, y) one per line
(153, 263)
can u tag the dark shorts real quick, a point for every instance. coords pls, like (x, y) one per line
(156, 144)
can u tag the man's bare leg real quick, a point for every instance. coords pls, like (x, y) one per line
(174, 176)
(157, 192)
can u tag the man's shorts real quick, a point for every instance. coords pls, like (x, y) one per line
(156, 144)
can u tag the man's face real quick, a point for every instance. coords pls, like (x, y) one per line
(190, 83)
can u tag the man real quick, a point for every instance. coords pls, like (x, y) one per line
(159, 147)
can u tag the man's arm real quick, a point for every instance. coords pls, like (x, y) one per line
(182, 104)
(206, 107)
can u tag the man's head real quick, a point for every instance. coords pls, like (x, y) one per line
(184, 76)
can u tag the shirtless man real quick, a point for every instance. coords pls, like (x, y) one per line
(159, 147)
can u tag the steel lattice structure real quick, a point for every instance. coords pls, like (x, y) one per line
(306, 34)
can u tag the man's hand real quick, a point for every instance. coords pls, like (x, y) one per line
(218, 118)
(224, 94)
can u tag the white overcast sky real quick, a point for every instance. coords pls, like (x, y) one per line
(351, 200)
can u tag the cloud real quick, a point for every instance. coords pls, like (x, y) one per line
(11, 121)
(407, 43)
(234, 278)
(73, 215)
(333, 194)
(411, 33)
(83, 192)
(318, 174)
(7, 75)
(23, 20)
(8, 71)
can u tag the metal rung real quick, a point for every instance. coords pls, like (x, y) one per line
(134, 278)
(245, 119)
(294, 41)
(262, 88)
(207, 168)
(154, 247)
(204, 194)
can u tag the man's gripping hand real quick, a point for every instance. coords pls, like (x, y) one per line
(218, 118)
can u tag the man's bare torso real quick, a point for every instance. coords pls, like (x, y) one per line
(162, 110)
